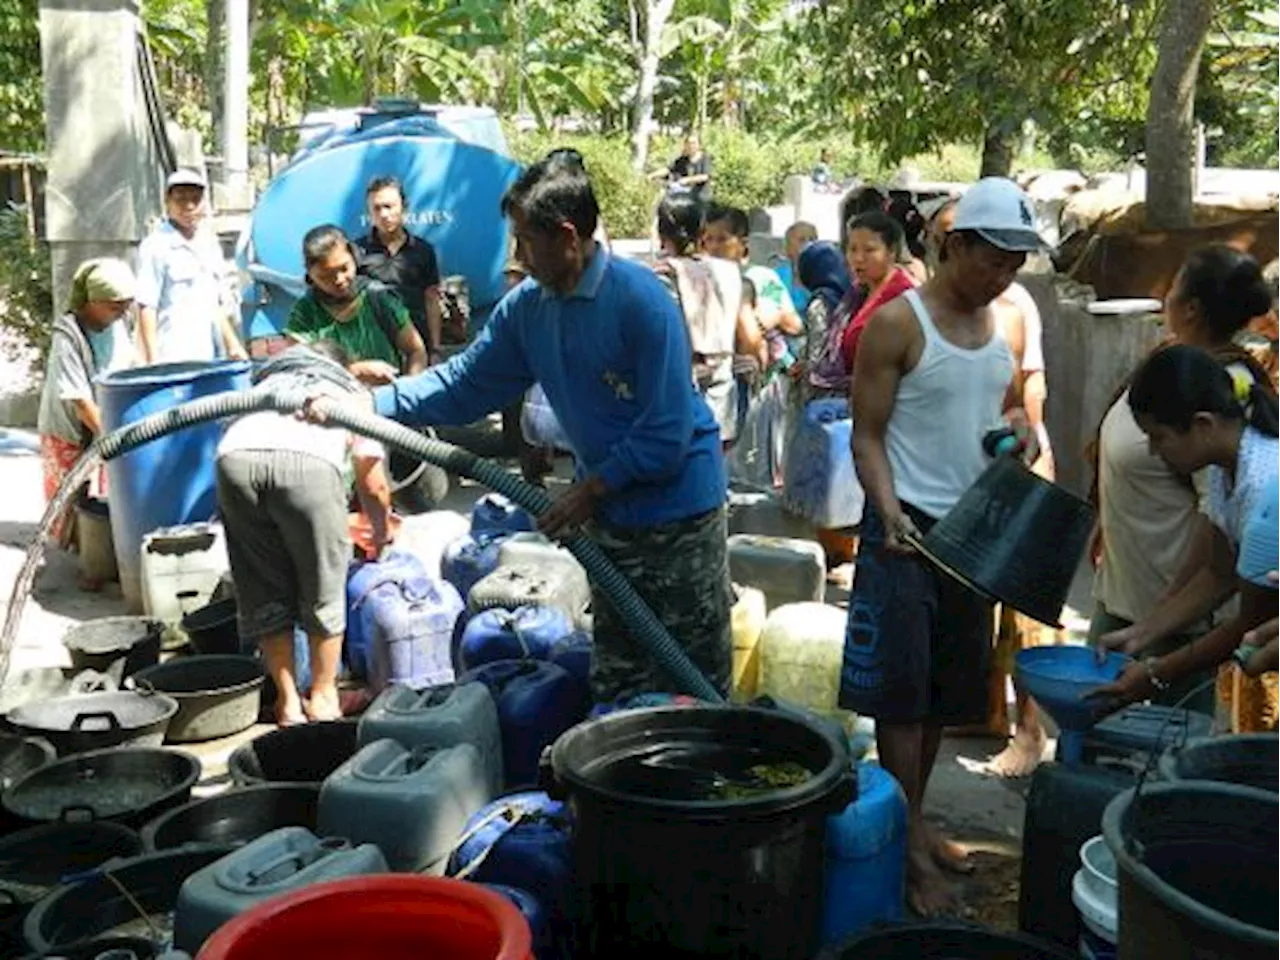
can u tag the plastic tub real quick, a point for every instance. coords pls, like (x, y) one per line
(1094, 894)
(235, 817)
(217, 696)
(1198, 869)
(169, 481)
(391, 917)
(117, 647)
(307, 753)
(669, 864)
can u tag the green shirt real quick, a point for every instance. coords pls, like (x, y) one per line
(361, 334)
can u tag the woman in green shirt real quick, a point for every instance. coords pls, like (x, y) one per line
(365, 318)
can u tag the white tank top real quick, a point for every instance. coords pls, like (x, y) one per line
(943, 409)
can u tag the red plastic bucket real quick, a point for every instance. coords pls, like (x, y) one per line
(391, 917)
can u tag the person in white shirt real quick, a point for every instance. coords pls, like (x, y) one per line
(185, 313)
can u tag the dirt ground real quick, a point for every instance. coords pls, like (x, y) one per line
(981, 811)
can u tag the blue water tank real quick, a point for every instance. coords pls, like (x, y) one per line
(169, 481)
(866, 857)
(454, 168)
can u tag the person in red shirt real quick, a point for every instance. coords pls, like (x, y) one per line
(874, 247)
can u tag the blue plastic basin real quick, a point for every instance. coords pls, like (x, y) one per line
(1060, 677)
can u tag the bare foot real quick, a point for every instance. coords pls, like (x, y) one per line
(947, 853)
(1020, 757)
(324, 704)
(290, 715)
(929, 893)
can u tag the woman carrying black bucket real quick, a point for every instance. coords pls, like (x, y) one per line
(1198, 414)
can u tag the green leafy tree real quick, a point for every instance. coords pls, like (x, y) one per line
(21, 97)
(912, 75)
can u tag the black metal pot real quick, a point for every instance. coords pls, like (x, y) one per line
(92, 907)
(235, 817)
(128, 785)
(96, 721)
(115, 646)
(217, 696)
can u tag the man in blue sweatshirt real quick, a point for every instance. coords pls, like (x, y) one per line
(610, 349)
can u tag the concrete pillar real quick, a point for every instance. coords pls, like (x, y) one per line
(104, 185)
(235, 120)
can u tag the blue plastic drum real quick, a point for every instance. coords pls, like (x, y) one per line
(168, 481)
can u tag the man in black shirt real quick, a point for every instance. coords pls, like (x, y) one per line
(692, 169)
(405, 263)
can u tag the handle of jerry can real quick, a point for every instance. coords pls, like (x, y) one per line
(548, 782)
(301, 857)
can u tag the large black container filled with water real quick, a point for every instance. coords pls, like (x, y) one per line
(701, 831)
(1249, 759)
(1199, 871)
(1016, 538)
(1064, 809)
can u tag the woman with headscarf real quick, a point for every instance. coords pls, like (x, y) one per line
(87, 341)
(823, 272)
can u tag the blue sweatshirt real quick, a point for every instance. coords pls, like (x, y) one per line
(613, 359)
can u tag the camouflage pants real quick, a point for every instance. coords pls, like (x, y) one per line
(681, 570)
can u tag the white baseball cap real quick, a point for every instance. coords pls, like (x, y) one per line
(185, 177)
(1000, 213)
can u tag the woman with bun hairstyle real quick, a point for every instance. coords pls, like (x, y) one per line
(1199, 415)
(1151, 540)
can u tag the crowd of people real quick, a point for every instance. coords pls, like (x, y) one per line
(663, 380)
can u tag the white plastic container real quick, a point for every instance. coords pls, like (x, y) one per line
(533, 548)
(181, 567)
(801, 650)
(784, 570)
(1093, 891)
(426, 535)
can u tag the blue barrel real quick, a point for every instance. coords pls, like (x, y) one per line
(493, 514)
(167, 481)
(866, 857)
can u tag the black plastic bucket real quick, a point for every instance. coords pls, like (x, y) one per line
(943, 941)
(667, 868)
(212, 629)
(115, 646)
(1199, 870)
(306, 753)
(1016, 538)
(1249, 759)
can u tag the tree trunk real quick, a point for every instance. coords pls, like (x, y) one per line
(215, 61)
(653, 16)
(999, 147)
(1171, 135)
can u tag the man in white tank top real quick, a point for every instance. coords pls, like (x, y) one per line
(933, 375)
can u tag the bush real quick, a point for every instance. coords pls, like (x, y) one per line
(26, 284)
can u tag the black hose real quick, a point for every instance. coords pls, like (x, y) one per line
(645, 627)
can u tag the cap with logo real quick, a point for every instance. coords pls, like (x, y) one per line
(999, 212)
(185, 177)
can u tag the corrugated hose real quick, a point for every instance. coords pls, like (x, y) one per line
(645, 627)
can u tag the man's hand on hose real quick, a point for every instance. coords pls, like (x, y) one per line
(573, 508)
(315, 409)
(901, 533)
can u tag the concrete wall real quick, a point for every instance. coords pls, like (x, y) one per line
(104, 186)
(1086, 358)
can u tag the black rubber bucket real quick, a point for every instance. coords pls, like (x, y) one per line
(307, 753)
(669, 864)
(115, 646)
(1249, 759)
(1016, 538)
(943, 941)
(236, 817)
(212, 629)
(34, 861)
(1199, 871)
